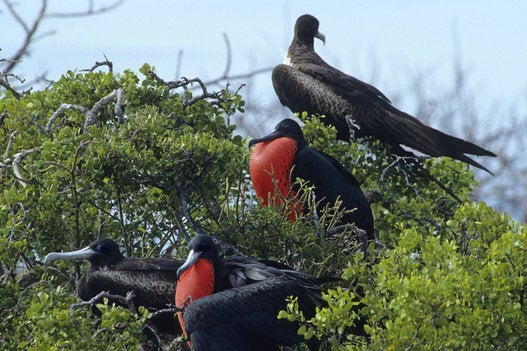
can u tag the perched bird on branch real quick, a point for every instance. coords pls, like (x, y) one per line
(284, 155)
(152, 280)
(305, 82)
(233, 303)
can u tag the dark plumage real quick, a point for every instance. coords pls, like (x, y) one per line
(287, 153)
(151, 279)
(307, 83)
(245, 318)
(235, 301)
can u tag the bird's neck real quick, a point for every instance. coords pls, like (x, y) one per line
(296, 52)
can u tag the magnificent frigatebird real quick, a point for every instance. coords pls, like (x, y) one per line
(284, 155)
(233, 303)
(152, 280)
(305, 82)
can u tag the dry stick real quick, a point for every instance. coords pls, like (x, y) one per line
(184, 82)
(61, 110)
(16, 161)
(125, 300)
(97, 64)
(4, 83)
(29, 31)
(10, 143)
(91, 115)
(118, 109)
(90, 12)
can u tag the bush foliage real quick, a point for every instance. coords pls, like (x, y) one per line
(151, 163)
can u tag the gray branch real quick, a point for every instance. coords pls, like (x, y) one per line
(91, 11)
(125, 300)
(98, 64)
(12, 138)
(91, 115)
(29, 32)
(16, 161)
(61, 110)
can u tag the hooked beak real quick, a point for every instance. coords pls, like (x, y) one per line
(87, 252)
(271, 136)
(191, 259)
(321, 36)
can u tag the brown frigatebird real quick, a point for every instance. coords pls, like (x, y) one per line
(233, 303)
(284, 155)
(305, 82)
(152, 280)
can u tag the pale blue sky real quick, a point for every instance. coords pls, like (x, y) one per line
(382, 42)
(400, 35)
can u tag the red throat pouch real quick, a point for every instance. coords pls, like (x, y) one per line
(194, 283)
(272, 161)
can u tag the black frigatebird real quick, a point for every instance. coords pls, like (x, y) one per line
(152, 280)
(284, 156)
(233, 303)
(305, 82)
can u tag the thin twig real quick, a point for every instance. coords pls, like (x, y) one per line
(29, 30)
(5, 83)
(89, 12)
(125, 300)
(98, 64)
(240, 76)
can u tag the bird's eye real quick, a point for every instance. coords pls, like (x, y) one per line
(103, 248)
(202, 247)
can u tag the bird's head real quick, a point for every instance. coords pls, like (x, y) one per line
(100, 253)
(200, 247)
(306, 29)
(286, 128)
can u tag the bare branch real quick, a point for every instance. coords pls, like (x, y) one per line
(16, 161)
(91, 115)
(125, 300)
(16, 16)
(97, 64)
(184, 83)
(61, 110)
(89, 12)
(178, 62)
(10, 143)
(118, 109)
(29, 31)
(229, 55)
(5, 83)
(240, 76)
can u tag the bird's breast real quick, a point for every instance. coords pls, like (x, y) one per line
(271, 163)
(194, 283)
